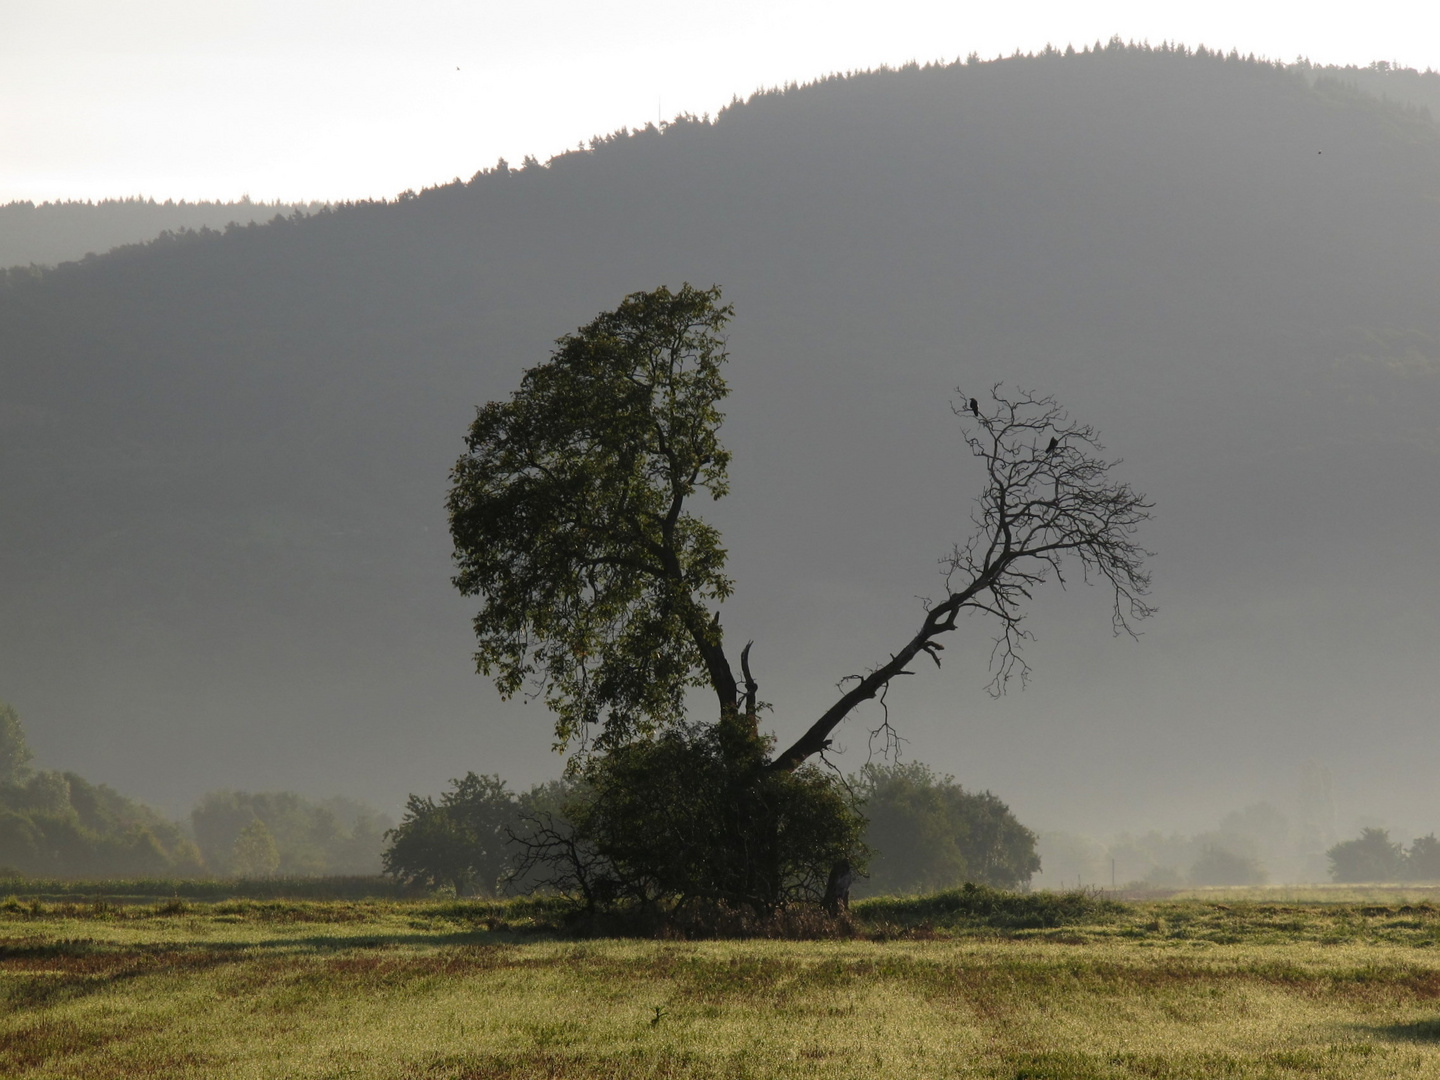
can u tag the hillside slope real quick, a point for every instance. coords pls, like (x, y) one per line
(225, 561)
(56, 232)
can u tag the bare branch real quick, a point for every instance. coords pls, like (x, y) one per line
(1049, 503)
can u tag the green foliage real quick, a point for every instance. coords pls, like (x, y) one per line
(254, 853)
(332, 837)
(15, 755)
(460, 841)
(692, 817)
(927, 833)
(979, 905)
(567, 517)
(1422, 861)
(1371, 857)
(60, 825)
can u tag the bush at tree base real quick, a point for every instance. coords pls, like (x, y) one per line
(690, 820)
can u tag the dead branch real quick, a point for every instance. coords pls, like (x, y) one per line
(1049, 506)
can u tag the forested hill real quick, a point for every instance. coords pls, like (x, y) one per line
(224, 554)
(63, 231)
(56, 232)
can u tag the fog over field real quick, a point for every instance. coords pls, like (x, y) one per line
(223, 458)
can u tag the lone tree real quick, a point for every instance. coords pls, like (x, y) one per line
(572, 518)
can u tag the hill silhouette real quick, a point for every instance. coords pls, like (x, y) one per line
(224, 556)
(56, 232)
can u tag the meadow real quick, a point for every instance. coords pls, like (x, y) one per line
(118, 983)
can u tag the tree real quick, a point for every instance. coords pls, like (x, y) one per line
(569, 518)
(310, 837)
(600, 587)
(568, 515)
(461, 841)
(1422, 861)
(15, 755)
(1220, 866)
(1371, 857)
(927, 833)
(254, 853)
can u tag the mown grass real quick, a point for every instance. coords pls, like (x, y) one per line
(149, 890)
(959, 985)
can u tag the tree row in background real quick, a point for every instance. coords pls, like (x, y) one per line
(1373, 856)
(57, 824)
(923, 833)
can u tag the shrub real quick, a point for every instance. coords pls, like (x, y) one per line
(1422, 861)
(927, 833)
(977, 905)
(461, 841)
(691, 819)
(1372, 857)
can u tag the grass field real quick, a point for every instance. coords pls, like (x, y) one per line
(932, 987)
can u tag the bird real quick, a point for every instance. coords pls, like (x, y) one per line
(1054, 442)
(975, 406)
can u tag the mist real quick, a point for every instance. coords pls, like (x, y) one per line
(225, 561)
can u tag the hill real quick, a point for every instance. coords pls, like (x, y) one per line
(224, 556)
(56, 232)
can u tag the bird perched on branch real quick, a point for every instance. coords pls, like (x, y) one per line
(975, 406)
(1054, 442)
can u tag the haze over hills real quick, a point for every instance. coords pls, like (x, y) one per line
(225, 561)
(56, 232)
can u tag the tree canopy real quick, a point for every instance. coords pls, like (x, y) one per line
(569, 517)
(927, 833)
(599, 584)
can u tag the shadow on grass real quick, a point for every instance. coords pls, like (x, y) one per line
(1419, 1031)
(159, 890)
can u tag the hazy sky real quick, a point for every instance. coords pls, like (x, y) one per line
(307, 99)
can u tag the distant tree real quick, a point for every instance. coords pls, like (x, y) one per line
(15, 755)
(1371, 857)
(600, 587)
(254, 853)
(1422, 861)
(58, 824)
(310, 836)
(461, 841)
(1220, 866)
(927, 833)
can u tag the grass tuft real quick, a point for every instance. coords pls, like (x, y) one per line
(976, 906)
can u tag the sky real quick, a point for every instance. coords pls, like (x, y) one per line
(342, 99)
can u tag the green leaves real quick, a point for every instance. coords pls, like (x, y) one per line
(568, 515)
